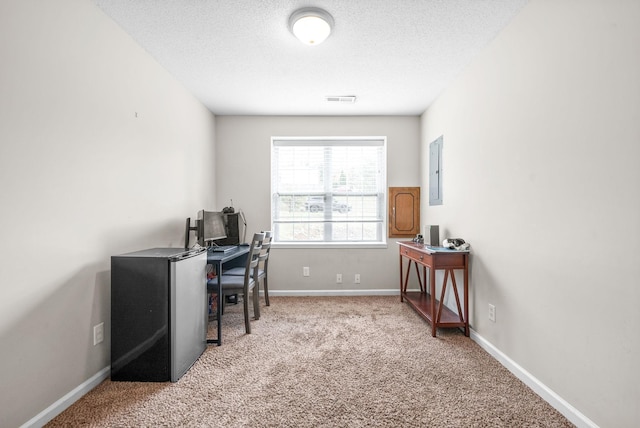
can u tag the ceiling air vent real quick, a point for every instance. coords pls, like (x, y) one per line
(350, 99)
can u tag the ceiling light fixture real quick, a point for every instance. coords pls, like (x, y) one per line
(311, 25)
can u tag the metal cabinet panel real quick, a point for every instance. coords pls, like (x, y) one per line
(435, 172)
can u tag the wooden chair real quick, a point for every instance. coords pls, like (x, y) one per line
(262, 273)
(245, 283)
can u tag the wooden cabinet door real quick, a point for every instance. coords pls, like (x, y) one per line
(404, 211)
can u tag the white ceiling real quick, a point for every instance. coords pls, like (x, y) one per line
(239, 58)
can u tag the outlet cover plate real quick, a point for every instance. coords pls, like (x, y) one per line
(492, 313)
(98, 333)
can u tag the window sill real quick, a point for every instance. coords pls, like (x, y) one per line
(330, 245)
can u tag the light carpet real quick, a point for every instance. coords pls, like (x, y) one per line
(326, 362)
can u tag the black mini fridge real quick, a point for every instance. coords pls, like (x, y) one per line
(159, 313)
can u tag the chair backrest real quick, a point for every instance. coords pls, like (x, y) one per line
(266, 247)
(253, 258)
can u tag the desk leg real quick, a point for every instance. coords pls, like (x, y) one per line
(218, 341)
(219, 308)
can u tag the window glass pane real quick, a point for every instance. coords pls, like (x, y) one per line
(328, 190)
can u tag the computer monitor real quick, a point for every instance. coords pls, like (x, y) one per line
(211, 227)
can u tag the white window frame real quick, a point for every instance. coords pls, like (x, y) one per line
(381, 194)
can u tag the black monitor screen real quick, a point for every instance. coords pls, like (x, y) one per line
(211, 226)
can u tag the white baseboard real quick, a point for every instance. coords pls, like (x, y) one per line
(567, 410)
(298, 293)
(71, 397)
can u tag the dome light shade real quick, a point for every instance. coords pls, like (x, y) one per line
(311, 25)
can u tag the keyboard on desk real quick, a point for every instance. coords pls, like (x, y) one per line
(222, 248)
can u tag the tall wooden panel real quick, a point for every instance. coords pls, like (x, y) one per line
(404, 211)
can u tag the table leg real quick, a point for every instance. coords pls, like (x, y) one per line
(424, 275)
(404, 285)
(442, 294)
(432, 291)
(466, 295)
(462, 316)
(422, 288)
(401, 289)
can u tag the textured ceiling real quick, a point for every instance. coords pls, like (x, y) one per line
(238, 56)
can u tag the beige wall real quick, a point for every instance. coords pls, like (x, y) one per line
(82, 178)
(243, 174)
(102, 152)
(541, 176)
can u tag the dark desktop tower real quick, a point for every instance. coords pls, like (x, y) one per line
(159, 313)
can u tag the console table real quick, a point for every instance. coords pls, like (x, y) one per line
(424, 301)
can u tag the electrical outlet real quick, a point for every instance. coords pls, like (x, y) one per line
(338, 278)
(305, 271)
(356, 280)
(98, 333)
(492, 313)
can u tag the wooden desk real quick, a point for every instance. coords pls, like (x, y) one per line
(424, 301)
(220, 260)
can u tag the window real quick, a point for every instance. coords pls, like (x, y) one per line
(328, 190)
